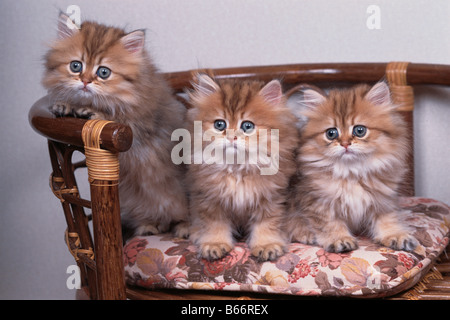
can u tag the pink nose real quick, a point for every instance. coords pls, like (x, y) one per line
(345, 144)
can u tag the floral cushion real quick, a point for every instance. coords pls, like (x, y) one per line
(161, 261)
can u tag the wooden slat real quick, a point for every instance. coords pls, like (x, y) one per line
(435, 296)
(443, 267)
(320, 72)
(177, 294)
(440, 284)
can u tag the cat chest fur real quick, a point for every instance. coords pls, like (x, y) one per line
(353, 200)
(240, 194)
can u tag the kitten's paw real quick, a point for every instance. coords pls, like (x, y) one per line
(304, 236)
(61, 109)
(214, 251)
(341, 245)
(85, 113)
(181, 230)
(268, 252)
(401, 241)
(299, 230)
(146, 230)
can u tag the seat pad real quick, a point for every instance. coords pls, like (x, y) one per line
(162, 261)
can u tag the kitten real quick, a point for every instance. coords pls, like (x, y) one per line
(230, 195)
(102, 72)
(351, 159)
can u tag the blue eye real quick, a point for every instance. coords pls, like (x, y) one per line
(247, 126)
(359, 131)
(76, 66)
(331, 133)
(103, 72)
(220, 125)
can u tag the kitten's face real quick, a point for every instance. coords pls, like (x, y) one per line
(240, 119)
(95, 65)
(351, 127)
(228, 132)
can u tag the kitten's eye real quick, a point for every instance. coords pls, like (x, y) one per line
(331, 133)
(247, 126)
(359, 131)
(76, 66)
(220, 125)
(103, 72)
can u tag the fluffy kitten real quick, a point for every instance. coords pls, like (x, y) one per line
(351, 160)
(102, 72)
(235, 196)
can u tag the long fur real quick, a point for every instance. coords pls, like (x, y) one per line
(236, 200)
(152, 192)
(342, 192)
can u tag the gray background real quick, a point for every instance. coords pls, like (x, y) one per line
(184, 35)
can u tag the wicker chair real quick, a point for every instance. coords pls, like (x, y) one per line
(100, 257)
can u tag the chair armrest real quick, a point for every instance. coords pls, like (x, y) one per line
(115, 137)
(105, 272)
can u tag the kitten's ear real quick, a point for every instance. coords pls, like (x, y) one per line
(379, 94)
(304, 98)
(205, 86)
(66, 27)
(134, 42)
(272, 92)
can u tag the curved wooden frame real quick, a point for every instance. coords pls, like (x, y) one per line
(101, 275)
(417, 73)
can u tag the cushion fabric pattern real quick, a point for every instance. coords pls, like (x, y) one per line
(162, 261)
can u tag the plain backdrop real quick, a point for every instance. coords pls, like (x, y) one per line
(190, 34)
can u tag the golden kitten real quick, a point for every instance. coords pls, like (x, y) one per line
(98, 71)
(250, 129)
(352, 157)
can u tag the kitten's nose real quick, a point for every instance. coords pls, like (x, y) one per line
(85, 80)
(85, 83)
(232, 139)
(231, 135)
(345, 144)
